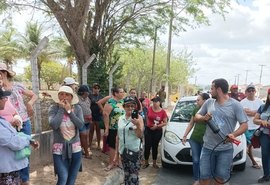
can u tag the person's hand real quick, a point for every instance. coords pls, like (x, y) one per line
(265, 123)
(35, 144)
(184, 140)
(154, 127)
(135, 122)
(207, 117)
(15, 122)
(29, 109)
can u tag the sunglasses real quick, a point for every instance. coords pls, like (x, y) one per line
(251, 90)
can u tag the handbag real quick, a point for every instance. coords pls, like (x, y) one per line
(255, 139)
(130, 154)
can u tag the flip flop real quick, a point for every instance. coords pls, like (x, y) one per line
(109, 167)
(145, 166)
(256, 166)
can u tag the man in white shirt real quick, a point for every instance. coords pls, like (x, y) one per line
(251, 104)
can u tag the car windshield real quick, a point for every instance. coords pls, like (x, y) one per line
(183, 111)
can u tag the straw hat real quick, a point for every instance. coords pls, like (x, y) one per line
(68, 90)
(3, 67)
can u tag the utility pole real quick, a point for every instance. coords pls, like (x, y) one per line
(238, 79)
(246, 76)
(153, 63)
(167, 102)
(261, 72)
(235, 79)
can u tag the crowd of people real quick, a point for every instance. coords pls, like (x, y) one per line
(132, 129)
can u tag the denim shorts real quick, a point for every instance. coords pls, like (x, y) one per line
(249, 134)
(85, 127)
(220, 163)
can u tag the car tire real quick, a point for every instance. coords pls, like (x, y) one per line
(166, 165)
(240, 167)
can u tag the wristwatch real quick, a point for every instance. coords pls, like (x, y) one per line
(69, 111)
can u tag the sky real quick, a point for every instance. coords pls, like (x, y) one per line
(232, 48)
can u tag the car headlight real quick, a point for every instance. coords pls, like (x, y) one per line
(172, 137)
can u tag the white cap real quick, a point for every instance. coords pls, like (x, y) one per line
(70, 81)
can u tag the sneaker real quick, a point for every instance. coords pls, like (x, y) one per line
(263, 179)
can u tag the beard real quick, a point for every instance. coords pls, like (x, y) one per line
(214, 96)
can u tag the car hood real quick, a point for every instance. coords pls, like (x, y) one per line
(178, 128)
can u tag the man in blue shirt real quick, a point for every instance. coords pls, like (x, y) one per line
(10, 142)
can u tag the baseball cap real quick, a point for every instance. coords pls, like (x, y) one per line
(234, 87)
(129, 99)
(82, 89)
(4, 94)
(95, 85)
(156, 99)
(70, 81)
(250, 86)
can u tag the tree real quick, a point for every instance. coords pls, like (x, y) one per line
(137, 68)
(50, 73)
(9, 48)
(95, 27)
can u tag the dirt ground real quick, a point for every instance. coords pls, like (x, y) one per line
(93, 172)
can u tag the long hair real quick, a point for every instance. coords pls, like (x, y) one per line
(267, 103)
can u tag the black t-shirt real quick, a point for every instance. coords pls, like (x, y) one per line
(94, 106)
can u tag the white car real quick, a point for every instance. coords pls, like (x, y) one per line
(173, 152)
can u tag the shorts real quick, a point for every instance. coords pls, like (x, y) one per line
(111, 138)
(218, 164)
(85, 127)
(97, 117)
(249, 134)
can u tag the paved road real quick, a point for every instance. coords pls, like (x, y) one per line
(183, 175)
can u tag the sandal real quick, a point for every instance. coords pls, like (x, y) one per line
(88, 156)
(145, 166)
(109, 167)
(155, 166)
(256, 166)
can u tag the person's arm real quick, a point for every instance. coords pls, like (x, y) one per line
(164, 120)
(102, 101)
(258, 121)
(106, 117)
(76, 116)
(188, 129)
(139, 126)
(11, 139)
(33, 98)
(56, 114)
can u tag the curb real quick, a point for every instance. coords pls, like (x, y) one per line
(116, 177)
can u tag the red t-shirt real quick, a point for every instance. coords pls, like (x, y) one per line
(155, 117)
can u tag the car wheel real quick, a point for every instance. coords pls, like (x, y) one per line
(166, 165)
(240, 167)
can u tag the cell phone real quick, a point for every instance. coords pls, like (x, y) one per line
(135, 114)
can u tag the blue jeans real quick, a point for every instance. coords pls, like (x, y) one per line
(67, 170)
(265, 149)
(196, 149)
(218, 165)
(27, 129)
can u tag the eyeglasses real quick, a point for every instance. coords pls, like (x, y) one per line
(251, 90)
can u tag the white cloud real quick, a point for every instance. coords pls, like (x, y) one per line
(228, 48)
